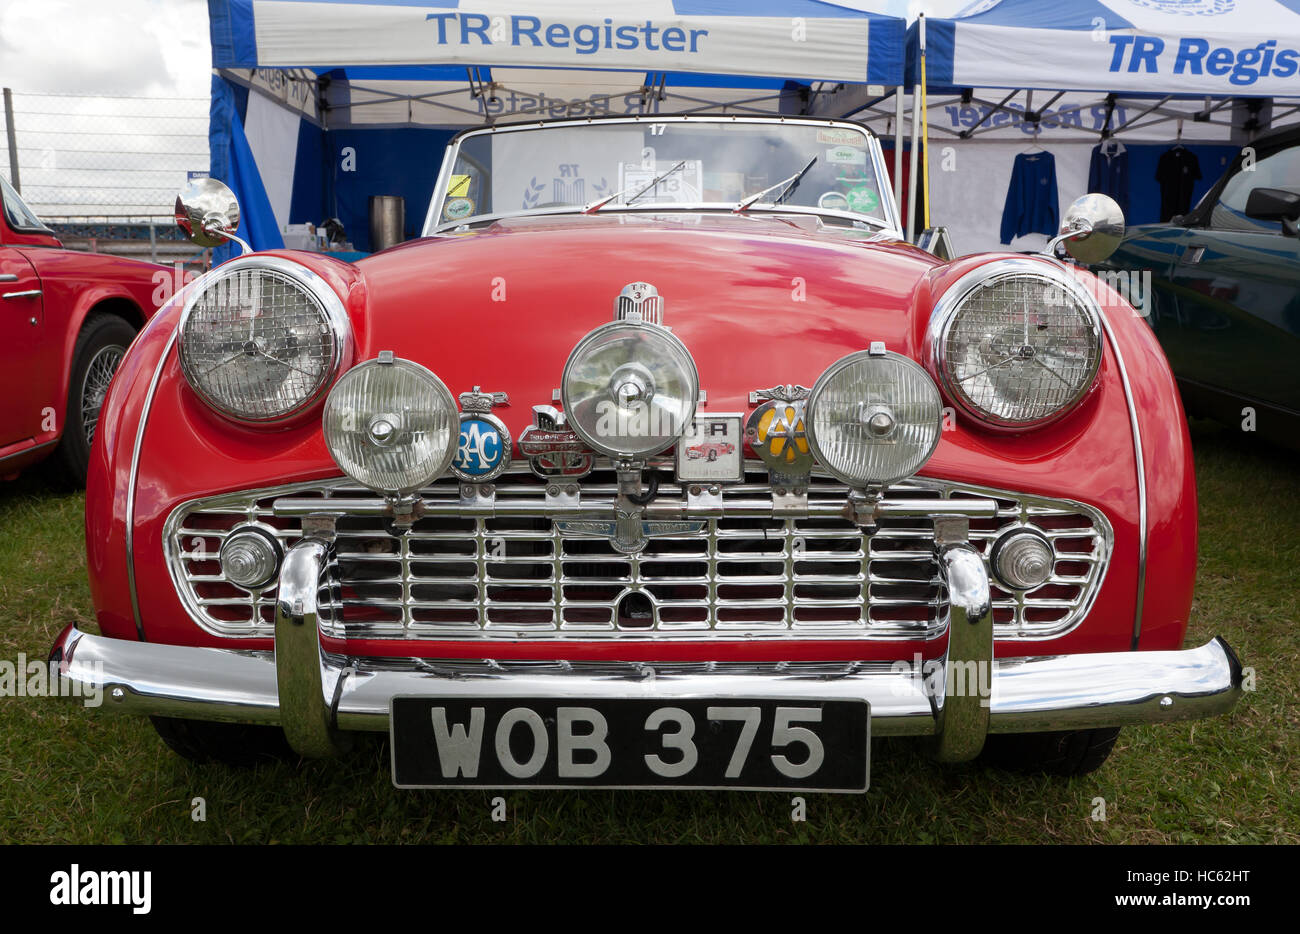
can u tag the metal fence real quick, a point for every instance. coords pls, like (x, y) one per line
(104, 171)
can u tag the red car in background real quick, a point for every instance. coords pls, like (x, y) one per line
(66, 319)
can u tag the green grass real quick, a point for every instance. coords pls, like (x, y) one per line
(71, 775)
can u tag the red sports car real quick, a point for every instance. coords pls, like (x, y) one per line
(441, 492)
(66, 319)
(710, 450)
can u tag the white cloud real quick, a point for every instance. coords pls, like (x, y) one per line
(149, 48)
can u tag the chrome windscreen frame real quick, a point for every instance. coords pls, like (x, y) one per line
(891, 226)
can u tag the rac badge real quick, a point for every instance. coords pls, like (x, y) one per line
(483, 450)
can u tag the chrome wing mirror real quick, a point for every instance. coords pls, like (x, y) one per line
(208, 213)
(1091, 230)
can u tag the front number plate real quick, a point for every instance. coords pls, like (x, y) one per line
(755, 745)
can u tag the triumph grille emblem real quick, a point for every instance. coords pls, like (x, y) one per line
(483, 449)
(553, 449)
(629, 533)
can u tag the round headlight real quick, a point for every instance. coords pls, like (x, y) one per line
(873, 418)
(261, 338)
(391, 425)
(630, 389)
(1017, 346)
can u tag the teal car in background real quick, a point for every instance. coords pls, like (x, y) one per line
(1225, 291)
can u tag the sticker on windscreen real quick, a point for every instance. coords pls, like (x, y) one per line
(833, 136)
(457, 208)
(846, 155)
(458, 186)
(863, 200)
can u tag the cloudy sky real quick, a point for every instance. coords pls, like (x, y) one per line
(138, 47)
(109, 101)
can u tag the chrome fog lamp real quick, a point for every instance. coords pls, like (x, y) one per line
(250, 557)
(391, 425)
(630, 389)
(1023, 559)
(873, 418)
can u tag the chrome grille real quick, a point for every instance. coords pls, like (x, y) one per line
(740, 578)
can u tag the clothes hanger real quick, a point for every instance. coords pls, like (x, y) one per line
(1034, 145)
(1178, 140)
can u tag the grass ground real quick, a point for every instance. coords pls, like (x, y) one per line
(70, 776)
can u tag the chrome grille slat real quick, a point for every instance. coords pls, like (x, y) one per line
(747, 575)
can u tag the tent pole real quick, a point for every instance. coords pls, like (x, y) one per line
(912, 166)
(898, 146)
(925, 133)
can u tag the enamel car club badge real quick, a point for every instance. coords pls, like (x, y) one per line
(553, 449)
(483, 451)
(777, 433)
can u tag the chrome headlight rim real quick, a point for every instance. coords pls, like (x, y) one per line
(951, 301)
(819, 387)
(328, 302)
(597, 334)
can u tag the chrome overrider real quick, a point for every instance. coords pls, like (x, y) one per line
(957, 699)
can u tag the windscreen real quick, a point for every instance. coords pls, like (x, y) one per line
(673, 164)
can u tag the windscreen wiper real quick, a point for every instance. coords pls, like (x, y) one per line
(787, 186)
(600, 203)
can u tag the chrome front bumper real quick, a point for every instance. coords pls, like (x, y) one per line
(957, 700)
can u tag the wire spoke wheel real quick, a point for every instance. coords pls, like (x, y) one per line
(94, 386)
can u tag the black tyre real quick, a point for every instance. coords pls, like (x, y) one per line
(1072, 752)
(100, 347)
(237, 744)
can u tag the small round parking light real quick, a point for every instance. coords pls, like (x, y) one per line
(250, 558)
(1023, 559)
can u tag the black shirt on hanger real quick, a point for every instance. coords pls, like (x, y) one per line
(1178, 171)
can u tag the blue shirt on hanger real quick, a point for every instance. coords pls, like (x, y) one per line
(1108, 171)
(1031, 197)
